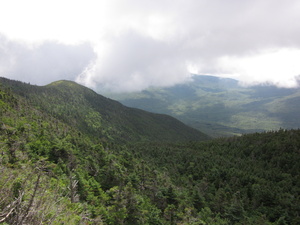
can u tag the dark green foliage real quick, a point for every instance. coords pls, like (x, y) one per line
(237, 178)
(66, 161)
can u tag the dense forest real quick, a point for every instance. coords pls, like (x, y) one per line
(70, 156)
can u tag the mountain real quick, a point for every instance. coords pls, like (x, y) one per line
(60, 164)
(101, 117)
(220, 106)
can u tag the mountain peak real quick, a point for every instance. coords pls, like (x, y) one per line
(62, 82)
(66, 84)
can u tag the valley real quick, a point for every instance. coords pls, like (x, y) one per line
(220, 106)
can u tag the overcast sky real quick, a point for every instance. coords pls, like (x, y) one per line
(129, 45)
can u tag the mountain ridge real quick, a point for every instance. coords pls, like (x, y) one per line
(96, 114)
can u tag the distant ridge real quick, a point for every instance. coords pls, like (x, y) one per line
(220, 106)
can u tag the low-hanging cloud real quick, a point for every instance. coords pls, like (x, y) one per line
(133, 62)
(245, 40)
(137, 44)
(43, 63)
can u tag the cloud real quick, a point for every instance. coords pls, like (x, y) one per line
(252, 41)
(43, 63)
(266, 67)
(137, 44)
(133, 62)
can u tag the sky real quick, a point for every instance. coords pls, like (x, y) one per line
(130, 45)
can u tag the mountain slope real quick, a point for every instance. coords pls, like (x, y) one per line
(101, 117)
(54, 173)
(221, 107)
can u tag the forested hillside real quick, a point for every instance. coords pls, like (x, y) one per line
(61, 163)
(101, 117)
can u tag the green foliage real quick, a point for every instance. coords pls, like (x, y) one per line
(57, 169)
(254, 176)
(100, 117)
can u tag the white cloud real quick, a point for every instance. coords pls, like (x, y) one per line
(43, 63)
(134, 62)
(274, 66)
(144, 43)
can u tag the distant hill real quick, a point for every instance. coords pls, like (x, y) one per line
(220, 106)
(101, 117)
